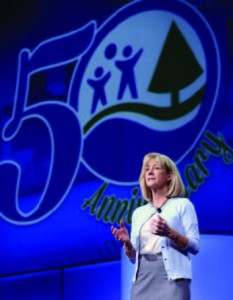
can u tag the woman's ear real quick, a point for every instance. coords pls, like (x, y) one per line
(170, 176)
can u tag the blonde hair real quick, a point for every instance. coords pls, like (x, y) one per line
(175, 187)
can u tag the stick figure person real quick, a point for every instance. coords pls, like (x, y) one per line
(98, 87)
(127, 71)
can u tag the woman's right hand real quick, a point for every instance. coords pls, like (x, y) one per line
(121, 234)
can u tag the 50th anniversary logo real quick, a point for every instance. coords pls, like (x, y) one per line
(146, 80)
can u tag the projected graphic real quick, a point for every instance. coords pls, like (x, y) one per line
(88, 105)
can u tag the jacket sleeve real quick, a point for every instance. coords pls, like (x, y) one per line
(190, 224)
(133, 233)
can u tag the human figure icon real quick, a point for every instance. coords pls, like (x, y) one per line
(98, 85)
(126, 67)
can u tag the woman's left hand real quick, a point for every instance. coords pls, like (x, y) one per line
(159, 226)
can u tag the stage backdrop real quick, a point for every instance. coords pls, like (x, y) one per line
(87, 89)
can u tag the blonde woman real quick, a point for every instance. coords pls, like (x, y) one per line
(164, 233)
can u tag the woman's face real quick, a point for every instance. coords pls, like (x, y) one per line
(156, 176)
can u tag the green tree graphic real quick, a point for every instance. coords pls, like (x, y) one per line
(177, 66)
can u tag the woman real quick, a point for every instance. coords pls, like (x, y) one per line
(164, 233)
